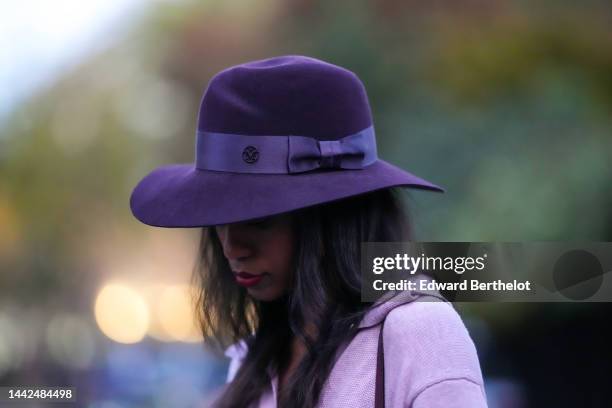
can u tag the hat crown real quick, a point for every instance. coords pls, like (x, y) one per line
(288, 95)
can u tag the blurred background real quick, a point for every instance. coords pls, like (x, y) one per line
(507, 104)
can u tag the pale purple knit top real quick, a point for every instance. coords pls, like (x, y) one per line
(430, 360)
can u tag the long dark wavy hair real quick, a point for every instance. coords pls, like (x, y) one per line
(325, 290)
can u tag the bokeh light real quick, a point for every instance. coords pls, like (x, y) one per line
(121, 313)
(71, 341)
(176, 314)
(11, 351)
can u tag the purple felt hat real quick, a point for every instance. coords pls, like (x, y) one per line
(273, 135)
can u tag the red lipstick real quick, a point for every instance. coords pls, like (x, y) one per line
(248, 279)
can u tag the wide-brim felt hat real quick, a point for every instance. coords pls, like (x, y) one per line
(272, 136)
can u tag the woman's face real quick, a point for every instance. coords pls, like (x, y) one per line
(260, 254)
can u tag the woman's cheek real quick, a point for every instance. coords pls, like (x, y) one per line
(280, 273)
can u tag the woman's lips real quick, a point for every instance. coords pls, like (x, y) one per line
(248, 279)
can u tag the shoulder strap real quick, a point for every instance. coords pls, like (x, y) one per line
(430, 294)
(379, 391)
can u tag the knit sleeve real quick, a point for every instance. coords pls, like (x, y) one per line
(451, 393)
(430, 359)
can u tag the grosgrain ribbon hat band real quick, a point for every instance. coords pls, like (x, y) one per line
(283, 154)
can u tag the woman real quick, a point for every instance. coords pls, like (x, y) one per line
(287, 185)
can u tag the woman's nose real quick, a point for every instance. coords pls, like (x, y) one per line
(234, 242)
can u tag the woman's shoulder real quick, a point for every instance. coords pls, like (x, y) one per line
(427, 316)
(438, 342)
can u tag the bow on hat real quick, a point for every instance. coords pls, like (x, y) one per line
(351, 152)
(283, 154)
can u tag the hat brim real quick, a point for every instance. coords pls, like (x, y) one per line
(181, 196)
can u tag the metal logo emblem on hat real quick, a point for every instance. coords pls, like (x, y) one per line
(250, 154)
(272, 136)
